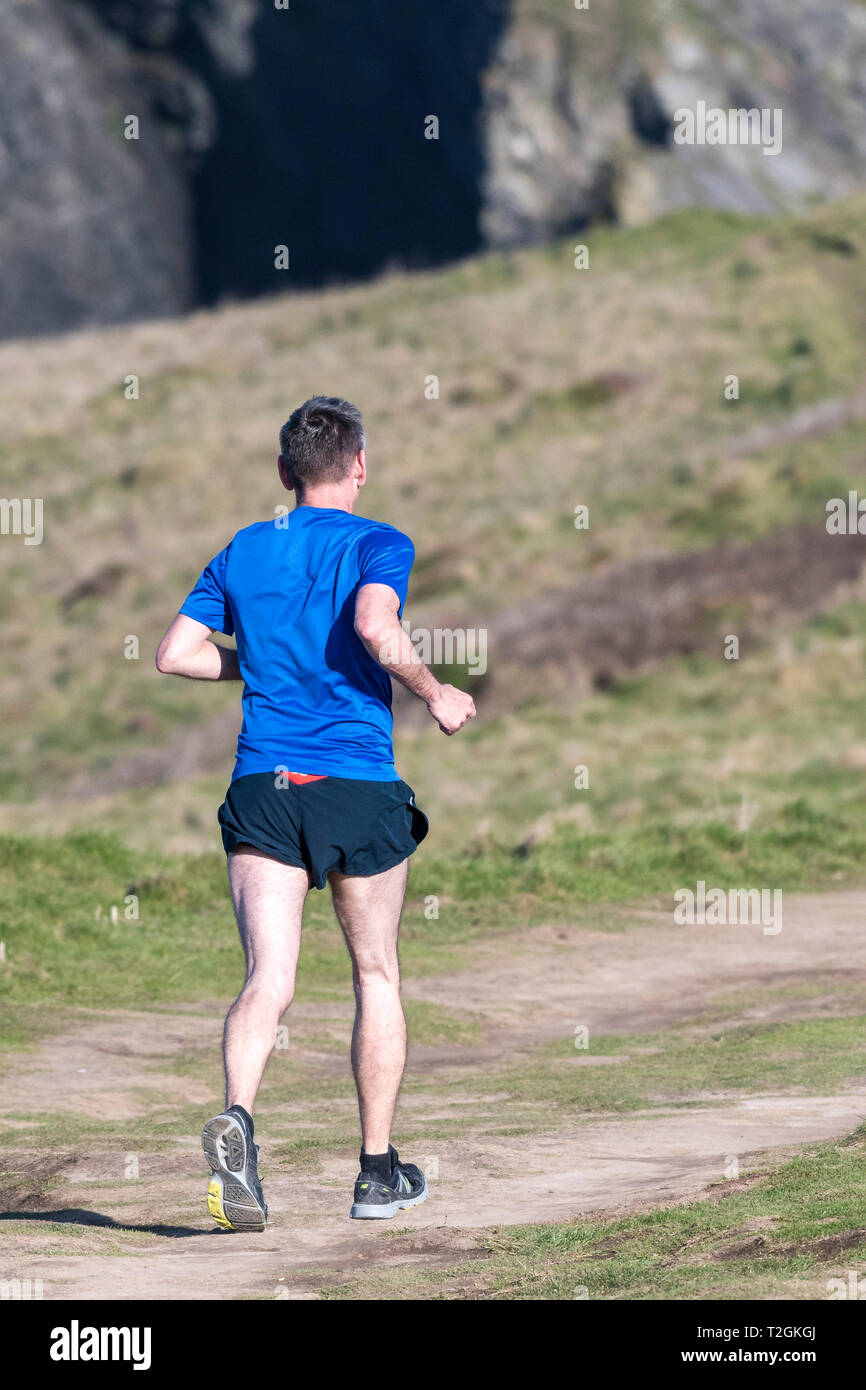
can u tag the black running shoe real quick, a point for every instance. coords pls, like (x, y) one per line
(376, 1199)
(234, 1197)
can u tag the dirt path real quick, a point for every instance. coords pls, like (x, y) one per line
(643, 980)
(96, 1235)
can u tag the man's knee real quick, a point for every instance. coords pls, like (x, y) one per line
(376, 971)
(274, 989)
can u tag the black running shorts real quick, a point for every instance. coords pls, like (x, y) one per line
(342, 823)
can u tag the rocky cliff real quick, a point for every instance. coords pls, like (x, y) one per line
(92, 226)
(310, 127)
(580, 107)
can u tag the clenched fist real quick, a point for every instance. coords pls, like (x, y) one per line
(451, 708)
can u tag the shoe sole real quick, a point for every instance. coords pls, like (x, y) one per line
(230, 1201)
(360, 1212)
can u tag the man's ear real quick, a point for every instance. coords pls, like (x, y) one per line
(285, 475)
(359, 470)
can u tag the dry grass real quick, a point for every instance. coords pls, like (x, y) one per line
(139, 494)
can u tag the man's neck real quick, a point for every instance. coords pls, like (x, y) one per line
(338, 499)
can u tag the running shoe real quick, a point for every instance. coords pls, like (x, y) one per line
(234, 1197)
(376, 1199)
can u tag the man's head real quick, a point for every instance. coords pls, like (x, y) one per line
(322, 448)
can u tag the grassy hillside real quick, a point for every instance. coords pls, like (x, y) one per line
(557, 387)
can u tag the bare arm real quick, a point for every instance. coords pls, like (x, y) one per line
(186, 650)
(377, 623)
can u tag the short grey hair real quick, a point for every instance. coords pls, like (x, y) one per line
(321, 439)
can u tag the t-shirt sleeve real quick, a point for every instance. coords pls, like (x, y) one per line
(208, 602)
(387, 558)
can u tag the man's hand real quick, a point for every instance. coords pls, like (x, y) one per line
(451, 708)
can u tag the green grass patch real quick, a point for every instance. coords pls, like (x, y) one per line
(692, 1065)
(72, 936)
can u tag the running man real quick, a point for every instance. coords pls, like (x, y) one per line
(314, 599)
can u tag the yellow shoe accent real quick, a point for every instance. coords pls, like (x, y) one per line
(215, 1205)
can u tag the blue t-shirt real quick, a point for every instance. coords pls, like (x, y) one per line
(314, 699)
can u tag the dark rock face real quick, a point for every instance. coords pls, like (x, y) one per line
(93, 227)
(261, 127)
(312, 133)
(308, 128)
(322, 145)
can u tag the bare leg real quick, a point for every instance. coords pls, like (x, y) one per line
(368, 910)
(269, 901)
